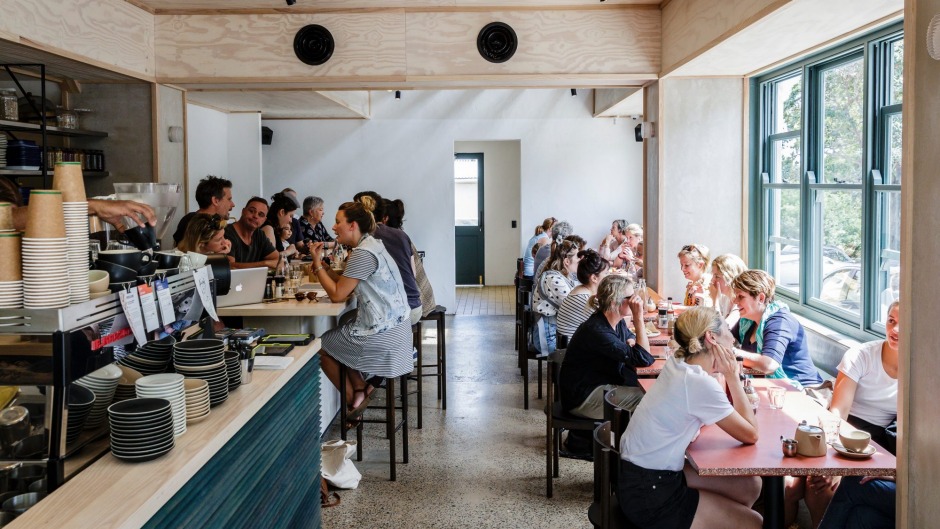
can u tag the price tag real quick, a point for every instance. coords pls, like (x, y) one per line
(148, 307)
(201, 276)
(131, 303)
(167, 313)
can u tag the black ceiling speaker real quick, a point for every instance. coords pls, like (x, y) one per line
(497, 42)
(267, 135)
(313, 44)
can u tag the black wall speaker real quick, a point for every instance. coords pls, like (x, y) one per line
(497, 42)
(313, 44)
(266, 136)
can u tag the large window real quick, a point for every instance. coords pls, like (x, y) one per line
(829, 181)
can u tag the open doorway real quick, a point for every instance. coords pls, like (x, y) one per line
(468, 219)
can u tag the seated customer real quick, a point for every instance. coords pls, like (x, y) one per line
(535, 243)
(551, 288)
(657, 487)
(725, 268)
(693, 260)
(604, 354)
(862, 503)
(205, 234)
(214, 196)
(250, 248)
(311, 224)
(771, 338)
(280, 215)
(559, 231)
(395, 218)
(575, 309)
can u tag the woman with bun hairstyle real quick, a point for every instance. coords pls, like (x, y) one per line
(574, 310)
(378, 341)
(540, 238)
(657, 488)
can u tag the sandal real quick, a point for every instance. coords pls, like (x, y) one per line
(356, 413)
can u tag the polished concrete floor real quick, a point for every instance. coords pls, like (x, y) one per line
(479, 464)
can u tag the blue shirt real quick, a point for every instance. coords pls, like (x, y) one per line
(528, 260)
(785, 342)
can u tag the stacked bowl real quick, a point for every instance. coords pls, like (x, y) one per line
(80, 402)
(141, 429)
(233, 368)
(126, 388)
(45, 286)
(167, 386)
(151, 358)
(102, 383)
(204, 359)
(197, 399)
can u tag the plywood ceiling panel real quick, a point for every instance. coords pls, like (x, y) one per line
(58, 66)
(285, 104)
(228, 5)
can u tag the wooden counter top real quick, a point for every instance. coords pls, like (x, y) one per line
(286, 308)
(116, 494)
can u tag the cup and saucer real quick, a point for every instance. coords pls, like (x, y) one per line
(854, 444)
(843, 451)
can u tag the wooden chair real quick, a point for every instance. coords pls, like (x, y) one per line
(618, 417)
(418, 374)
(527, 352)
(440, 367)
(523, 298)
(391, 426)
(556, 419)
(605, 512)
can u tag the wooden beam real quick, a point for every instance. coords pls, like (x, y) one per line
(609, 99)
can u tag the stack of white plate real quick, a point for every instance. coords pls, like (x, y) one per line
(102, 383)
(45, 280)
(11, 294)
(141, 429)
(126, 388)
(197, 399)
(233, 368)
(152, 357)
(167, 386)
(76, 232)
(204, 359)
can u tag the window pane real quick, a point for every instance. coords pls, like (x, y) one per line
(897, 72)
(889, 205)
(843, 88)
(839, 259)
(466, 177)
(788, 107)
(893, 150)
(786, 161)
(785, 236)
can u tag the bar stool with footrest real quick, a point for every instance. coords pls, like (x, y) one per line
(417, 374)
(528, 352)
(391, 426)
(556, 419)
(437, 315)
(605, 512)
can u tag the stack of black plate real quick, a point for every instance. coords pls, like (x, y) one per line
(233, 367)
(81, 400)
(23, 155)
(204, 359)
(152, 358)
(141, 429)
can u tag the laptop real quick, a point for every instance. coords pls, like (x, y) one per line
(247, 287)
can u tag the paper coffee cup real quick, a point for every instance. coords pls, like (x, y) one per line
(10, 260)
(45, 219)
(68, 179)
(6, 216)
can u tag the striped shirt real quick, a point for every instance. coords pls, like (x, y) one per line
(573, 312)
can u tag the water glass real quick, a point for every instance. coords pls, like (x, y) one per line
(777, 397)
(830, 424)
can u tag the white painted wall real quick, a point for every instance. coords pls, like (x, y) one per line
(501, 187)
(225, 145)
(573, 166)
(700, 134)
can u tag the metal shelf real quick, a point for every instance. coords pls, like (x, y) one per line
(21, 126)
(19, 172)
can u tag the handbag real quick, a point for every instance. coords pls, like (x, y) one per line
(336, 464)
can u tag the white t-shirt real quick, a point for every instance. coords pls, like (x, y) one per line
(683, 399)
(876, 399)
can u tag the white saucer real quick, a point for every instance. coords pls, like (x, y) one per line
(868, 452)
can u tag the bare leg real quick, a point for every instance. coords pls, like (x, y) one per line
(355, 385)
(819, 492)
(793, 491)
(742, 490)
(715, 510)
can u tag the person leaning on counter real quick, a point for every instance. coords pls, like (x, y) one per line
(250, 248)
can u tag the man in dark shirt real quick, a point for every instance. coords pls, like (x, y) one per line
(214, 196)
(250, 247)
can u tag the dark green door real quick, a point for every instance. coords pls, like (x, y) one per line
(468, 218)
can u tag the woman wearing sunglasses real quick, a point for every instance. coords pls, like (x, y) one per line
(205, 234)
(693, 261)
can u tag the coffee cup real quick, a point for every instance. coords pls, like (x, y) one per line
(143, 238)
(116, 272)
(168, 259)
(128, 258)
(855, 440)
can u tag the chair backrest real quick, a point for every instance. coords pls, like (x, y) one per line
(606, 465)
(619, 417)
(555, 359)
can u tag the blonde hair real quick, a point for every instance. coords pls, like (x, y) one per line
(756, 282)
(610, 292)
(691, 326)
(545, 226)
(635, 229)
(729, 266)
(698, 252)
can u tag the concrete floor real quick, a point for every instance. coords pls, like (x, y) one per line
(479, 464)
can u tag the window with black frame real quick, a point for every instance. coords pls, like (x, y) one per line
(829, 177)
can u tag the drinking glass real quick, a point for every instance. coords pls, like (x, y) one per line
(830, 424)
(777, 397)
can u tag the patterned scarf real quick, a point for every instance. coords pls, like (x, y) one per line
(746, 324)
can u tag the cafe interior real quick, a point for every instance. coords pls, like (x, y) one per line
(771, 130)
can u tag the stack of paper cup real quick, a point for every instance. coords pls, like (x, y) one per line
(6, 217)
(11, 276)
(68, 179)
(44, 251)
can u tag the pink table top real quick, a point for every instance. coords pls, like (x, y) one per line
(715, 453)
(659, 352)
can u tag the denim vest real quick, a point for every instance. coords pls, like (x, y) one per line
(380, 297)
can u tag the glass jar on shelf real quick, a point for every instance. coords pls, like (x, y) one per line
(66, 119)
(9, 107)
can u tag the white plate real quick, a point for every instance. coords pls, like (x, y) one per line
(869, 451)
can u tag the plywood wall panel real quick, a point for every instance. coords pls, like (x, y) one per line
(570, 42)
(108, 33)
(261, 46)
(691, 26)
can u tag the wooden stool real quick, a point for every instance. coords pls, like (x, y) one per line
(391, 426)
(437, 315)
(416, 334)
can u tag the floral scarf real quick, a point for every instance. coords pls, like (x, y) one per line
(744, 326)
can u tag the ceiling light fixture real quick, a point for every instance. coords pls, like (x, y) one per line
(291, 2)
(397, 94)
(574, 92)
